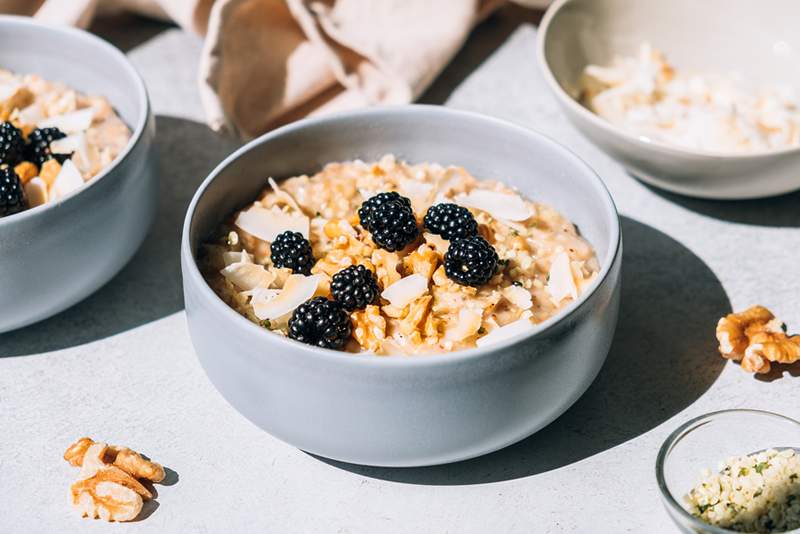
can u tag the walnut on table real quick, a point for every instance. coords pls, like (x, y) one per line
(756, 338)
(107, 486)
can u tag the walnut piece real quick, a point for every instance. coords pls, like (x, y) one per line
(107, 486)
(369, 327)
(756, 338)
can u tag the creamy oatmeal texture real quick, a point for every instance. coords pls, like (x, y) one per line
(543, 263)
(90, 135)
(646, 96)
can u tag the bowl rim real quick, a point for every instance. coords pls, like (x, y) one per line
(612, 255)
(136, 132)
(641, 142)
(675, 436)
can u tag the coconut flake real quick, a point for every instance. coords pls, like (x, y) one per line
(518, 296)
(72, 122)
(266, 224)
(31, 114)
(415, 189)
(248, 275)
(230, 257)
(519, 327)
(296, 290)
(560, 282)
(506, 206)
(437, 242)
(405, 290)
(260, 297)
(36, 192)
(75, 143)
(469, 321)
(68, 180)
(286, 197)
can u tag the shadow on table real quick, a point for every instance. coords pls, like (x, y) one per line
(662, 359)
(780, 211)
(149, 287)
(487, 37)
(126, 30)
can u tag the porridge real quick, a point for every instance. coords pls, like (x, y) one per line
(646, 96)
(53, 139)
(394, 258)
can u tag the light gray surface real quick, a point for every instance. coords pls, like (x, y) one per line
(402, 412)
(120, 366)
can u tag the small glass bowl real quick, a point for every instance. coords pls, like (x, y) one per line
(705, 442)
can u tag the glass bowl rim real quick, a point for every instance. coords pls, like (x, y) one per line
(676, 435)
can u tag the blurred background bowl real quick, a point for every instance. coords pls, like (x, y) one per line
(750, 37)
(56, 254)
(406, 411)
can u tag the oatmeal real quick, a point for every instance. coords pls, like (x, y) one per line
(755, 493)
(394, 258)
(53, 139)
(648, 97)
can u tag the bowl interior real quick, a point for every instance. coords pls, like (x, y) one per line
(748, 38)
(76, 58)
(487, 148)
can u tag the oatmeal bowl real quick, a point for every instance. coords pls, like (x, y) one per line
(697, 98)
(78, 189)
(402, 286)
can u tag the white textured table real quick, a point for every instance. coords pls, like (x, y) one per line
(120, 367)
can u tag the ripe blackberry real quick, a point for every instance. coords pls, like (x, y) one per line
(12, 195)
(450, 221)
(293, 251)
(390, 220)
(12, 145)
(320, 322)
(354, 287)
(38, 148)
(470, 261)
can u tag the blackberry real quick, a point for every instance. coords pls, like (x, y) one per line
(38, 148)
(293, 251)
(450, 221)
(12, 145)
(320, 322)
(390, 220)
(354, 287)
(470, 261)
(12, 195)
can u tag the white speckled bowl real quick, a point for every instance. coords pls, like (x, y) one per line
(54, 255)
(405, 411)
(751, 37)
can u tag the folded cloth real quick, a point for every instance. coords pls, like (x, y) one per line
(268, 62)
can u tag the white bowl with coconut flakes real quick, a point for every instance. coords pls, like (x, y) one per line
(88, 207)
(698, 98)
(399, 409)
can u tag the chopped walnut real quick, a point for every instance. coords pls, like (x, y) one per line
(756, 338)
(417, 311)
(107, 486)
(386, 264)
(26, 170)
(369, 327)
(423, 260)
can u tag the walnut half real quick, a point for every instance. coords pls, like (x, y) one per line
(756, 338)
(107, 486)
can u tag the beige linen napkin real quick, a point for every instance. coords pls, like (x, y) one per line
(268, 62)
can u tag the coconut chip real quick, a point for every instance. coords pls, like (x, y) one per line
(248, 275)
(560, 283)
(519, 327)
(400, 293)
(296, 290)
(506, 206)
(266, 224)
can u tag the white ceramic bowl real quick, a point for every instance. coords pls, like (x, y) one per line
(750, 37)
(56, 254)
(405, 411)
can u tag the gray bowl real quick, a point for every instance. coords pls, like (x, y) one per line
(405, 411)
(54, 255)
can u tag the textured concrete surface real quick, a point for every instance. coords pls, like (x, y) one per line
(120, 367)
